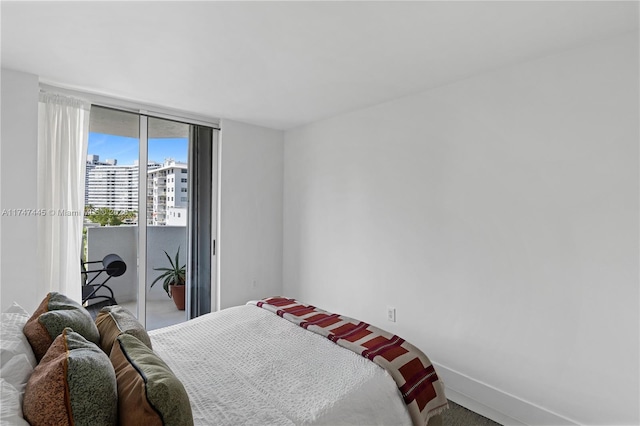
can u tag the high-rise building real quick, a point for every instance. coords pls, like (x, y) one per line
(167, 194)
(116, 187)
(111, 185)
(93, 161)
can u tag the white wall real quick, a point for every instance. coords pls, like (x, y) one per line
(499, 215)
(18, 170)
(250, 246)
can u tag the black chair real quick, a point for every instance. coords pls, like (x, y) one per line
(113, 265)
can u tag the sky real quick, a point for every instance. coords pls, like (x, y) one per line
(125, 150)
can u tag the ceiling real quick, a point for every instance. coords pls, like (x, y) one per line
(285, 64)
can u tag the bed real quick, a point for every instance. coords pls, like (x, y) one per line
(263, 364)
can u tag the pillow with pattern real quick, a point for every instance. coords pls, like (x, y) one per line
(114, 320)
(74, 384)
(148, 391)
(55, 313)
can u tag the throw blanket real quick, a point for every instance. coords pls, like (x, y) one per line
(422, 391)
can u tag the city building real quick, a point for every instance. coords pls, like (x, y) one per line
(167, 194)
(92, 162)
(114, 186)
(111, 185)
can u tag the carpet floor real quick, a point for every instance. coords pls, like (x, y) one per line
(457, 415)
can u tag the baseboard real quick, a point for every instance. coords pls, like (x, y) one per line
(495, 404)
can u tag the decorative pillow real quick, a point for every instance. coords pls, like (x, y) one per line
(114, 320)
(55, 313)
(148, 391)
(74, 384)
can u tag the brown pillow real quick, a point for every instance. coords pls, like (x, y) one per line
(55, 313)
(114, 320)
(148, 392)
(74, 384)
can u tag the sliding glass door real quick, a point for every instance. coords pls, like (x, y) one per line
(166, 235)
(111, 206)
(167, 209)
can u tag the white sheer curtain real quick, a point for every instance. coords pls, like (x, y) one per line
(62, 152)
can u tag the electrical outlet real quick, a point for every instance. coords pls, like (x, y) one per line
(391, 314)
(254, 284)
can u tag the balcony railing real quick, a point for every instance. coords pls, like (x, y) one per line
(122, 240)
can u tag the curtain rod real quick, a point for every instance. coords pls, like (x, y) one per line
(131, 106)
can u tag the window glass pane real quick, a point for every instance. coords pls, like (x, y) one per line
(166, 221)
(111, 207)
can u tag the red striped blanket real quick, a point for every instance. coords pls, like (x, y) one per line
(422, 391)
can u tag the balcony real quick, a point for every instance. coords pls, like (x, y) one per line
(123, 240)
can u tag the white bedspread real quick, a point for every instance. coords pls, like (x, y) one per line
(246, 366)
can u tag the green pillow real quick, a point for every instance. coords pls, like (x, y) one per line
(74, 384)
(148, 391)
(55, 313)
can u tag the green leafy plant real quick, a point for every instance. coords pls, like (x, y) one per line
(106, 216)
(173, 275)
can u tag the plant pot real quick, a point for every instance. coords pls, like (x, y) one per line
(177, 294)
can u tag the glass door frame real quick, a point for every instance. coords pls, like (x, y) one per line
(144, 112)
(196, 198)
(143, 162)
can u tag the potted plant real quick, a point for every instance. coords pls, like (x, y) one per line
(173, 280)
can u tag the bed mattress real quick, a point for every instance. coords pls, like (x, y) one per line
(246, 366)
